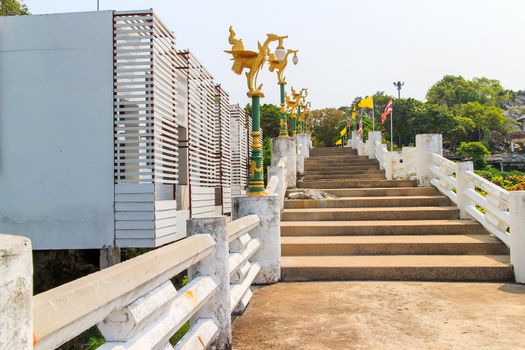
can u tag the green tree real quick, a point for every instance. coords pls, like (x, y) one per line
(475, 150)
(13, 8)
(326, 124)
(269, 119)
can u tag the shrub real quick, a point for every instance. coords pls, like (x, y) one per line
(475, 150)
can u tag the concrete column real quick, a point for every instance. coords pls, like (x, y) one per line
(279, 172)
(426, 144)
(404, 157)
(268, 232)
(16, 293)
(360, 146)
(285, 147)
(109, 256)
(353, 144)
(462, 184)
(303, 145)
(216, 265)
(517, 234)
(370, 149)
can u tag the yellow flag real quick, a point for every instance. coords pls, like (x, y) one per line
(366, 103)
(339, 142)
(353, 113)
(342, 132)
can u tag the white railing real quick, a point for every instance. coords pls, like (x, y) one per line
(408, 156)
(444, 178)
(135, 305)
(277, 184)
(501, 212)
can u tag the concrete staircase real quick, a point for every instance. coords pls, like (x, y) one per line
(381, 230)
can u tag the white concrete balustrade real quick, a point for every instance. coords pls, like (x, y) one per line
(501, 212)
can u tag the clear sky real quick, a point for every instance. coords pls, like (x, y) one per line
(347, 48)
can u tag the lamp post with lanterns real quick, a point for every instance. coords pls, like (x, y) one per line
(253, 61)
(278, 62)
(399, 85)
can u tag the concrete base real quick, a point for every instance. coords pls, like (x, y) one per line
(285, 147)
(269, 234)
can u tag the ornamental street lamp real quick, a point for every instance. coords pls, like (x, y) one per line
(252, 61)
(399, 85)
(306, 110)
(292, 107)
(277, 62)
(301, 110)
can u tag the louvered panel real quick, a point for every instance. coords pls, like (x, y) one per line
(240, 139)
(145, 129)
(222, 128)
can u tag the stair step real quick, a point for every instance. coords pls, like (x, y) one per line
(332, 162)
(362, 202)
(355, 183)
(368, 175)
(380, 227)
(383, 192)
(397, 268)
(350, 214)
(340, 168)
(476, 244)
(337, 171)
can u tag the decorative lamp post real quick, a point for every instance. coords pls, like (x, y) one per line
(252, 61)
(399, 85)
(292, 105)
(307, 106)
(278, 62)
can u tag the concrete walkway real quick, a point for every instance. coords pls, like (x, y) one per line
(383, 315)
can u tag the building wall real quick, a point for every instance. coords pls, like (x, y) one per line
(56, 129)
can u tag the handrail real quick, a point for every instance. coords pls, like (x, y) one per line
(64, 312)
(489, 209)
(272, 185)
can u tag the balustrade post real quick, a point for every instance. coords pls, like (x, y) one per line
(216, 265)
(517, 234)
(16, 293)
(462, 185)
(404, 159)
(268, 210)
(280, 172)
(389, 168)
(285, 147)
(371, 145)
(426, 144)
(353, 144)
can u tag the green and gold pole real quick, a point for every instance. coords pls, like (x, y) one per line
(256, 182)
(300, 125)
(294, 124)
(283, 131)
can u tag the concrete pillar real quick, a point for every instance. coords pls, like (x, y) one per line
(302, 145)
(517, 234)
(285, 147)
(216, 265)
(404, 157)
(426, 144)
(389, 170)
(16, 293)
(462, 184)
(109, 256)
(360, 147)
(353, 144)
(279, 172)
(370, 143)
(268, 232)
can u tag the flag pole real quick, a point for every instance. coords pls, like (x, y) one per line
(392, 130)
(373, 116)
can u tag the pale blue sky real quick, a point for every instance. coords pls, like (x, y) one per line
(347, 48)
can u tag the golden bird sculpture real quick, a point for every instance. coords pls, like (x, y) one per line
(280, 66)
(251, 60)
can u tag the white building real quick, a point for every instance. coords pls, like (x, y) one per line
(95, 114)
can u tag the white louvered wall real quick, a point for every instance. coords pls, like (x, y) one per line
(146, 154)
(240, 125)
(202, 139)
(224, 149)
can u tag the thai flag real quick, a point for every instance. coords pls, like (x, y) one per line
(360, 130)
(388, 110)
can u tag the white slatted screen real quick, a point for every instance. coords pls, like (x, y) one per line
(146, 154)
(224, 150)
(240, 136)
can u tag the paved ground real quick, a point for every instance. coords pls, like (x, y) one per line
(383, 315)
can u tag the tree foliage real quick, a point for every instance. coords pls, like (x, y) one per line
(13, 8)
(326, 124)
(475, 150)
